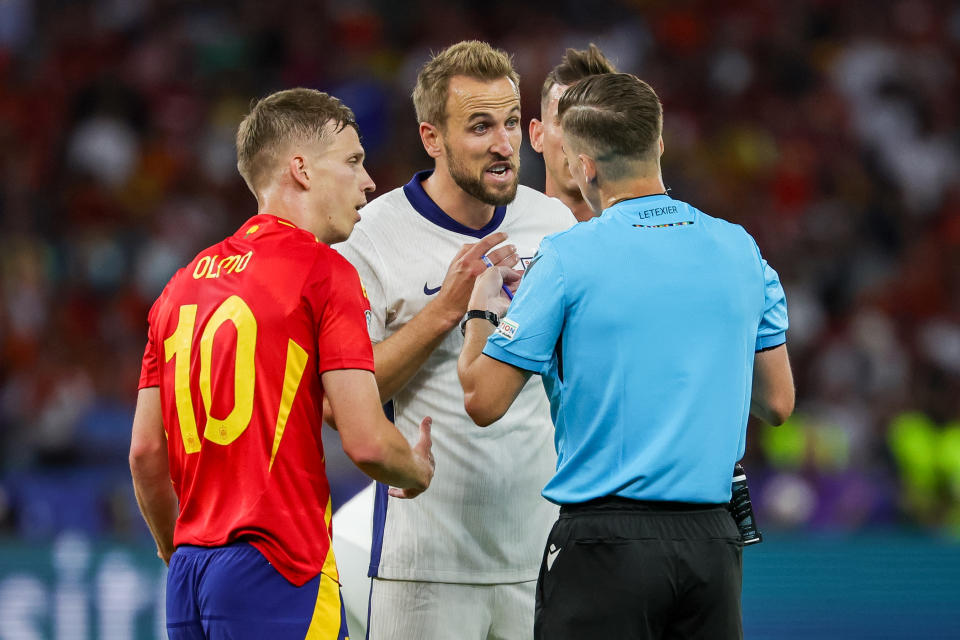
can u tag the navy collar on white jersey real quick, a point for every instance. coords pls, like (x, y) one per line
(429, 209)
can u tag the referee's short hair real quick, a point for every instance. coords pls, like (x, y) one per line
(615, 116)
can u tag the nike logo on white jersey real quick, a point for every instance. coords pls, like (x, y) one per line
(552, 556)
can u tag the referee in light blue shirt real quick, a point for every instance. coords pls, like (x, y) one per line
(657, 329)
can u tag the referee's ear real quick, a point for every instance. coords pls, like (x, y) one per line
(589, 167)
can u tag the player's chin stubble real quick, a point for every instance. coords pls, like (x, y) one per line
(474, 186)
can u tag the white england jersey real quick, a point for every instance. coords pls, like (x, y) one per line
(483, 519)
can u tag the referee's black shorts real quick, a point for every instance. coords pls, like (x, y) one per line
(622, 569)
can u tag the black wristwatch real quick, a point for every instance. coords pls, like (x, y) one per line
(477, 313)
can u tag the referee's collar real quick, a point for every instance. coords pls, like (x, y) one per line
(657, 211)
(429, 209)
(639, 201)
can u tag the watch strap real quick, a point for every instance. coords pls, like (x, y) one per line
(479, 313)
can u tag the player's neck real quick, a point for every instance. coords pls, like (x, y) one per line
(575, 202)
(284, 205)
(633, 187)
(581, 210)
(455, 202)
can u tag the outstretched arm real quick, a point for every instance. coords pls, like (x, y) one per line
(151, 471)
(371, 441)
(399, 357)
(489, 385)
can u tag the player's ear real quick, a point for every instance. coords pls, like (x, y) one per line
(588, 166)
(661, 145)
(298, 170)
(432, 139)
(536, 135)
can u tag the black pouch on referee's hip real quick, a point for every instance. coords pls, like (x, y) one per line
(741, 508)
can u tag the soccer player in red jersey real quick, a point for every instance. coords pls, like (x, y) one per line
(244, 345)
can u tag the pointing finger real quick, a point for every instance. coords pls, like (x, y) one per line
(487, 243)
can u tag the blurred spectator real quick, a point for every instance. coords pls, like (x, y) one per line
(829, 129)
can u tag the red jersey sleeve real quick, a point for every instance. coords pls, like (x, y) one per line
(343, 309)
(150, 367)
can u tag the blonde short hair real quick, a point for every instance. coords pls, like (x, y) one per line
(281, 118)
(470, 58)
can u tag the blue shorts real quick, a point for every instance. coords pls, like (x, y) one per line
(233, 592)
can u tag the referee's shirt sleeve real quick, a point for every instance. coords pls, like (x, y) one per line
(527, 336)
(773, 325)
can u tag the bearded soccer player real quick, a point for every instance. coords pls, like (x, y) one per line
(244, 344)
(462, 562)
(545, 133)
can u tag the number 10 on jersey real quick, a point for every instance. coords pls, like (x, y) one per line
(179, 347)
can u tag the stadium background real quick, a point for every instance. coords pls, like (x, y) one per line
(829, 129)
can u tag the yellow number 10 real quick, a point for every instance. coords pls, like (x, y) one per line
(179, 346)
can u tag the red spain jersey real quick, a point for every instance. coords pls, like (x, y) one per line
(237, 342)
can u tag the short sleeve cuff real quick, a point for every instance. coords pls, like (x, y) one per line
(499, 353)
(768, 342)
(334, 364)
(149, 377)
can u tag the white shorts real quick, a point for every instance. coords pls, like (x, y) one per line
(441, 611)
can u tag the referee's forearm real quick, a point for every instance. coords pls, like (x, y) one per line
(471, 374)
(476, 332)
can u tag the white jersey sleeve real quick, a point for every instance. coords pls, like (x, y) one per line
(374, 278)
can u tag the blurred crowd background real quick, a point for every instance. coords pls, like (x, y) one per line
(830, 129)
